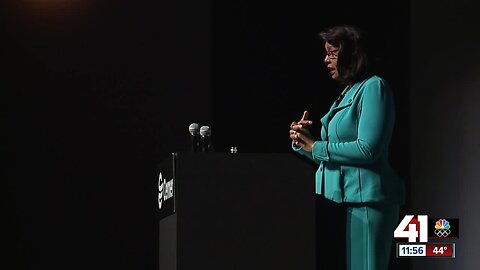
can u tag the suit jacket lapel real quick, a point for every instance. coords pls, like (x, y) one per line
(345, 102)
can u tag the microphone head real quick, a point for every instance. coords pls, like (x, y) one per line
(205, 131)
(194, 129)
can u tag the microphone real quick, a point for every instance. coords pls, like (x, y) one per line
(206, 143)
(194, 137)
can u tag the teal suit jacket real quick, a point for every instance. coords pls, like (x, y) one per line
(353, 151)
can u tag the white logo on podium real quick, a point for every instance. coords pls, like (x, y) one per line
(165, 190)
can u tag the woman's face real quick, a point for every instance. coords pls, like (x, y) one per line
(331, 55)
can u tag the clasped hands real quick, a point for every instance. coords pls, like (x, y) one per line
(300, 134)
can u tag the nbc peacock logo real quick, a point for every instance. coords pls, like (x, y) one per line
(442, 228)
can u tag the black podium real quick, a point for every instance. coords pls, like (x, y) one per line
(236, 211)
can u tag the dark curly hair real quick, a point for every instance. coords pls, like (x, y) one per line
(352, 61)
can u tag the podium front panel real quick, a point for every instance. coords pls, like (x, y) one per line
(244, 211)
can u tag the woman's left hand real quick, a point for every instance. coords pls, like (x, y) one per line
(300, 134)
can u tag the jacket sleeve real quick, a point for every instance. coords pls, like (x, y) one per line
(375, 126)
(305, 153)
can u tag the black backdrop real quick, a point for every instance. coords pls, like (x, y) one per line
(95, 94)
(268, 65)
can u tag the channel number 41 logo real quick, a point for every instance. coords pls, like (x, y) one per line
(413, 228)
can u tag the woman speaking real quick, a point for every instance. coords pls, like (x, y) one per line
(352, 150)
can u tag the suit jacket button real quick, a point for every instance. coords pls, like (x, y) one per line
(350, 101)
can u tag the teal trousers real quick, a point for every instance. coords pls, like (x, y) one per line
(370, 235)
